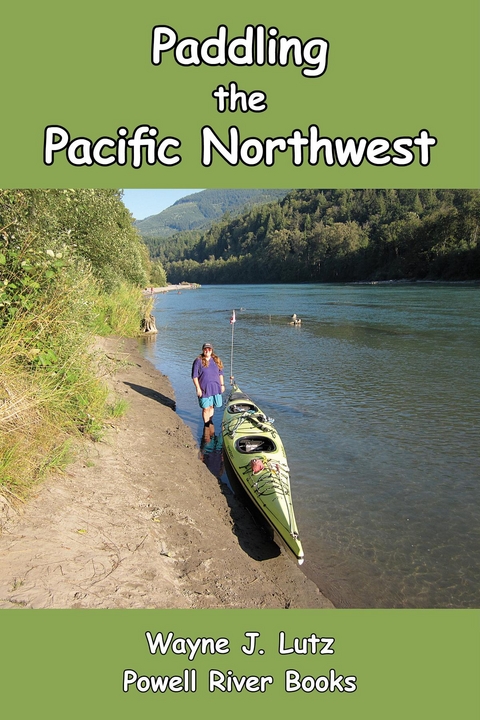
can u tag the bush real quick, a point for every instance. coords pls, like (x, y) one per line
(55, 296)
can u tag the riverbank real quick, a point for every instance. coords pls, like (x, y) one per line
(138, 521)
(171, 288)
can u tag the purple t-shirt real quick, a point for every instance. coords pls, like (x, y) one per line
(208, 377)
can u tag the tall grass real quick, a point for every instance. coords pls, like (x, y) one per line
(50, 392)
(119, 312)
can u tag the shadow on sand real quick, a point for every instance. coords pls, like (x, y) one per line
(152, 394)
(253, 532)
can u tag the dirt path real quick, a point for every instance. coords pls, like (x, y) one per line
(138, 521)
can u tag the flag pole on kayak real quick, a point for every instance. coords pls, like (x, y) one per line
(232, 323)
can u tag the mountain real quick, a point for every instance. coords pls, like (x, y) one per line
(343, 235)
(199, 210)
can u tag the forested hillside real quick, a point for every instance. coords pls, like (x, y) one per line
(336, 236)
(199, 210)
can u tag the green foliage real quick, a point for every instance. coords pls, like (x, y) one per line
(93, 223)
(71, 266)
(48, 385)
(158, 276)
(118, 312)
(58, 459)
(336, 236)
(26, 274)
(118, 408)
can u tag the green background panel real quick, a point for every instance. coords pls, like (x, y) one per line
(407, 664)
(392, 71)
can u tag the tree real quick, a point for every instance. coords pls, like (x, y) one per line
(158, 276)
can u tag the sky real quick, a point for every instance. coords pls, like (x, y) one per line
(143, 203)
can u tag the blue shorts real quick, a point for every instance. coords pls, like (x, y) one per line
(215, 401)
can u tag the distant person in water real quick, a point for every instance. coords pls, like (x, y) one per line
(207, 376)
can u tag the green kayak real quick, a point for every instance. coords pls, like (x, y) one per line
(256, 454)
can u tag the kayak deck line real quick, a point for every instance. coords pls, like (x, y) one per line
(257, 456)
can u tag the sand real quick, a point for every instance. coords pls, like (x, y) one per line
(139, 521)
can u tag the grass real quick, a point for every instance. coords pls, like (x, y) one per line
(119, 312)
(50, 391)
(119, 408)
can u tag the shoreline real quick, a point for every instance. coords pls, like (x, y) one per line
(139, 521)
(170, 288)
(148, 292)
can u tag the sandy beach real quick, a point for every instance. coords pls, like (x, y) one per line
(170, 288)
(139, 521)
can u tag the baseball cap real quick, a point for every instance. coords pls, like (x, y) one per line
(207, 345)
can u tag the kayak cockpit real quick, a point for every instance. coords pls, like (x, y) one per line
(241, 407)
(255, 444)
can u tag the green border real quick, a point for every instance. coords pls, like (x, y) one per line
(392, 71)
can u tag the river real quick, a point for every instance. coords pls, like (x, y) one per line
(376, 397)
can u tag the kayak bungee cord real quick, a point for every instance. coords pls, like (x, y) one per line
(271, 482)
(257, 419)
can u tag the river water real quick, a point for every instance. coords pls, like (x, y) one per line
(377, 399)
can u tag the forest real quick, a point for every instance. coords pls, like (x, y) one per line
(199, 210)
(334, 236)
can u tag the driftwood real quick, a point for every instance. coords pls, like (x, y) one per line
(148, 324)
